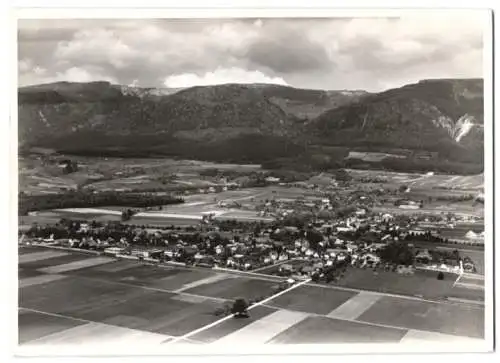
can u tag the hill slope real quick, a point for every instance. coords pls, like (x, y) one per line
(444, 116)
(254, 123)
(214, 122)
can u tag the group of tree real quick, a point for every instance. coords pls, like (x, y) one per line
(397, 253)
(455, 198)
(85, 199)
(127, 214)
(427, 236)
(70, 166)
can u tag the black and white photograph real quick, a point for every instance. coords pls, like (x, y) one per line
(206, 182)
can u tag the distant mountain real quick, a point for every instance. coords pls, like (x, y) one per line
(64, 109)
(253, 123)
(307, 103)
(443, 115)
(217, 122)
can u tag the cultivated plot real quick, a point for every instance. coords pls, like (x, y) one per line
(312, 299)
(455, 319)
(119, 301)
(321, 330)
(421, 283)
(233, 288)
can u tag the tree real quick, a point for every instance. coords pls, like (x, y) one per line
(125, 216)
(239, 308)
(329, 275)
(314, 237)
(342, 175)
(345, 212)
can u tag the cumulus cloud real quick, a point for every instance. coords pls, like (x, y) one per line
(335, 53)
(220, 76)
(40, 75)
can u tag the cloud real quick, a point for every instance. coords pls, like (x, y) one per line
(287, 53)
(40, 75)
(220, 76)
(342, 53)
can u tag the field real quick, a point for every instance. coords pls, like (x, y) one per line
(422, 283)
(423, 187)
(37, 176)
(123, 174)
(188, 213)
(67, 298)
(458, 182)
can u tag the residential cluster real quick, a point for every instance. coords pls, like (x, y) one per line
(306, 239)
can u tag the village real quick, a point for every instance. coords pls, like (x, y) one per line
(306, 239)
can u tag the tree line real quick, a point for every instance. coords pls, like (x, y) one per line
(85, 199)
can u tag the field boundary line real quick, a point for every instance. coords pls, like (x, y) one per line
(470, 286)
(250, 274)
(379, 325)
(217, 322)
(76, 250)
(473, 276)
(466, 301)
(458, 278)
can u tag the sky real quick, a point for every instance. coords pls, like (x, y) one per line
(371, 54)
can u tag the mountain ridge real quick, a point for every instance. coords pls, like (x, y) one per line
(441, 116)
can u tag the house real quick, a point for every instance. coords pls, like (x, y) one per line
(333, 252)
(351, 247)
(417, 232)
(344, 229)
(273, 255)
(283, 257)
(386, 237)
(371, 257)
(409, 206)
(307, 270)
(473, 235)
(286, 267)
(291, 229)
(318, 265)
(113, 251)
(423, 256)
(375, 247)
(360, 212)
(153, 254)
(84, 227)
(271, 179)
(338, 243)
(468, 265)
